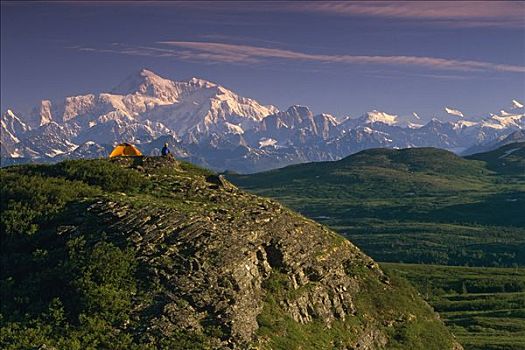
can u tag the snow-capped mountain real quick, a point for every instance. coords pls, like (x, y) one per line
(12, 129)
(195, 105)
(516, 136)
(210, 125)
(297, 125)
(372, 117)
(207, 107)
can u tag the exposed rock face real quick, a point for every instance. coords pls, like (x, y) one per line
(218, 258)
(217, 268)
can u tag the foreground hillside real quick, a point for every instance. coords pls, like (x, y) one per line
(419, 205)
(148, 253)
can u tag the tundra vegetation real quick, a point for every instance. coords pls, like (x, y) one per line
(152, 253)
(424, 212)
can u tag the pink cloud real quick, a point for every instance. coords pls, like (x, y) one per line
(233, 53)
(214, 52)
(450, 13)
(455, 13)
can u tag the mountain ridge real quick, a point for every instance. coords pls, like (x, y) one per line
(254, 137)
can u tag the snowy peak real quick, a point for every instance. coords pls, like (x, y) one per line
(326, 125)
(147, 83)
(369, 118)
(453, 111)
(149, 74)
(504, 121)
(42, 114)
(297, 125)
(12, 128)
(299, 110)
(326, 118)
(512, 119)
(380, 117)
(201, 83)
(13, 122)
(516, 104)
(196, 106)
(205, 107)
(293, 117)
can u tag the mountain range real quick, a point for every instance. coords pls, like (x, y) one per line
(213, 126)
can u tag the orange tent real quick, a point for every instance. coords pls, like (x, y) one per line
(125, 150)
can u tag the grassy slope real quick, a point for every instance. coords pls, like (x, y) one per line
(418, 331)
(64, 291)
(483, 307)
(509, 159)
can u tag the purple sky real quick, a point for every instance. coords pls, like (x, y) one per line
(343, 58)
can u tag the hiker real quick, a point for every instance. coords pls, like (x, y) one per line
(165, 150)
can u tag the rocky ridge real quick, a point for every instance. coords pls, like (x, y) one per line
(245, 272)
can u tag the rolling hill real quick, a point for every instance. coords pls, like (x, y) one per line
(420, 205)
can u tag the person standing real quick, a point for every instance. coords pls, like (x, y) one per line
(165, 150)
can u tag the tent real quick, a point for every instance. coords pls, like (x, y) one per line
(125, 150)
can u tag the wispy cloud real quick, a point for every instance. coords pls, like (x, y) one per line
(510, 14)
(455, 13)
(233, 53)
(215, 52)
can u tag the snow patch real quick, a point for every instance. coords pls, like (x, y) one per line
(267, 142)
(15, 154)
(54, 152)
(464, 124)
(509, 152)
(411, 125)
(453, 111)
(234, 128)
(517, 104)
(381, 117)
